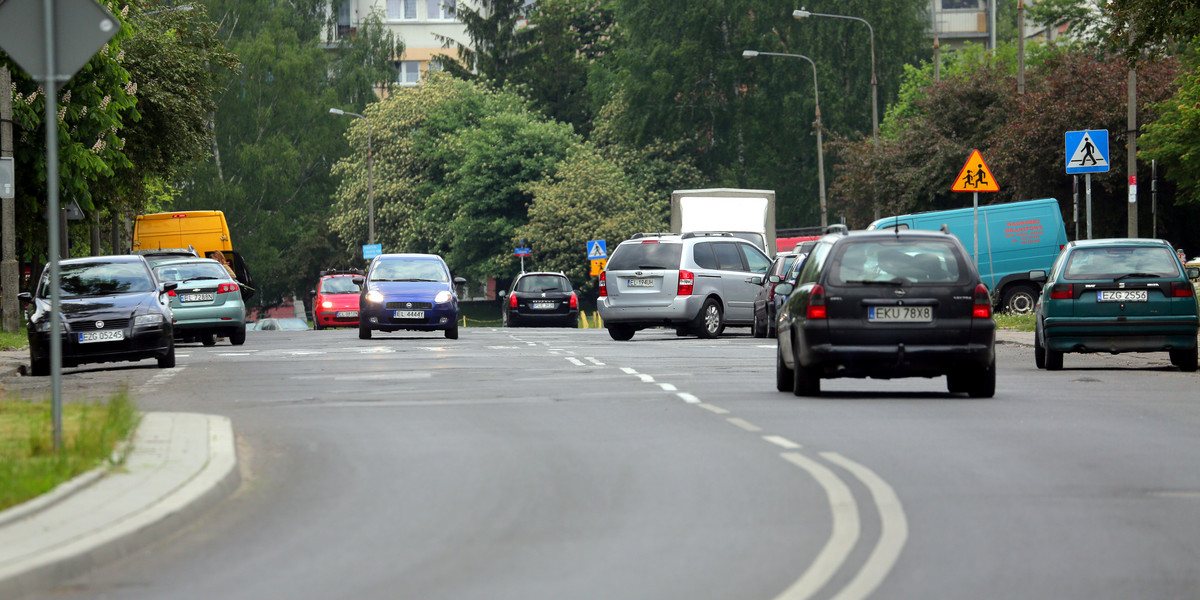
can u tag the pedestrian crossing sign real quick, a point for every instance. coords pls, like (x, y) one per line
(975, 176)
(1087, 151)
(597, 249)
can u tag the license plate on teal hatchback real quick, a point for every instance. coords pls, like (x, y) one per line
(196, 297)
(1121, 296)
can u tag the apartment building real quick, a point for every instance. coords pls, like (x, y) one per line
(417, 23)
(956, 22)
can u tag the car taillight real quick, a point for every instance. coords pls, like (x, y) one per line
(1062, 291)
(771, 291)
(603, 284)
(1182, 289)
(171, 293)
(512, 300)
(226, 288)
(983, 303)
(574, 300)
(686, 279)
(816, 304)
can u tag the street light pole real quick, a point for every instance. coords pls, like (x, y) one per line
(370, 175)
(803, 14)
(817, 105)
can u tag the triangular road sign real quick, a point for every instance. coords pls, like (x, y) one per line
(1087, 154)
(975, 176)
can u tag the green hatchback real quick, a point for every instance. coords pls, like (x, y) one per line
(1117, 295)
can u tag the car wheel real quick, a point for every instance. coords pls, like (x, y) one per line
(1039, 351)
(710, 322)
(208, 339)
(621, 333)
(806, 381)
(1019, 299)
(1184, 359)
(1054, 360)
(167, 360)
(983, 385)
(759, 328)
(364, 332)
(39, 368)
(237, 337)
(682, 331)
(957, 382)
(317, 326)
(452, 331)
(572, 323)
(784, 378)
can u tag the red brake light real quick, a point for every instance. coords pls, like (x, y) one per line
(603, 284)
(649, 241)
(574, 300)
(1182, 289)
(816, 304)
(512, 300)
(225, 288)
(686, 279)
(171, 293)
(1062, 291)
(771, 291)
(983, 303)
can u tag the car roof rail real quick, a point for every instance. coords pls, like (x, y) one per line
(637, 236)
(695, 234)
(350, 271)
(837, 228)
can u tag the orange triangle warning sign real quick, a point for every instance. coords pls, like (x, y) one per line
(975, 176)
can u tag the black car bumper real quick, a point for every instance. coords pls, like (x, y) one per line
(901, 360)
(145, 342)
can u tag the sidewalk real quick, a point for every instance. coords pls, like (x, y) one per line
(178, 466)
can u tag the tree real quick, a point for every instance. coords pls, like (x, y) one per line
(1172, 140)
(499, 41)
(1148, 24)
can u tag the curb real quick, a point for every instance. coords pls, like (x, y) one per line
(215, 481)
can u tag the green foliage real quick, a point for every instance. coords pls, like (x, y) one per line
(1151, 25)
(497, 46)
(1174, 139)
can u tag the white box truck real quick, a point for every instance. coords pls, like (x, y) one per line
(748, 214)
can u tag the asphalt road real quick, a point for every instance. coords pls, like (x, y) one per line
(518, 464)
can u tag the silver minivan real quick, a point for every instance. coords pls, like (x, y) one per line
(697, 282)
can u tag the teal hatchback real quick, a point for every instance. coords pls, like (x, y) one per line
(1117, 295)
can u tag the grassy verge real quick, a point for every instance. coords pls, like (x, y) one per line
(29, 466)
(13, 341)
(1015, 322)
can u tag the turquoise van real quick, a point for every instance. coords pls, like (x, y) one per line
(1014, 239)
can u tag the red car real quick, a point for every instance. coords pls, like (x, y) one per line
(335, 301)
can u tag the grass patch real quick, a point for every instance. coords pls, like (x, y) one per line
(1015, 322)
(13, 341)
(29, 466)
(479, 314)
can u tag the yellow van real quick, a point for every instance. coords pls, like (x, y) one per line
(203, 231)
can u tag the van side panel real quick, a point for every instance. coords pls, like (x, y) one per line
(206, 231)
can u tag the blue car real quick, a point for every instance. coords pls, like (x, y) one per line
(408, 291)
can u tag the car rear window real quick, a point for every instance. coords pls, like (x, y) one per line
(191, 271)
(913, 261)
(339, 285)
(645, 255)
(1112, 262)
(543, 283)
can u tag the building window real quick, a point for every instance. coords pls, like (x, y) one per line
(953, 4)
(402, 10)
(440, 10)
(433, 65)
(410, 72)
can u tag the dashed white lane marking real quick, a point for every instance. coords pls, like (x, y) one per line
(594, 361)
(667, 387)
(744, 424)
(841, 540)
(892, 536)
(782, 442)
(645, 378)
(715, 409)
(575, 361)
(686, 397)
(233, 354)
(555, 352)
(628, 371)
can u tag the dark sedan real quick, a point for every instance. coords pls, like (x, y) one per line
(765, 304)
(544, 299)
(112, 309)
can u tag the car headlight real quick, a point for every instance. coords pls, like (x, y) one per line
(326, 304)
(443, 297)
(374, 296)
(42, 326)
(151, 319)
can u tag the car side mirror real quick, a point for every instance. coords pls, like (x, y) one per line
(774, 279)
(502, 293)
(1038, 276)
(357, 281)
(784, 289)
(1192, 272)
(26, 297)
(459, 280)
(756, 280)
(168, 286)
(312, 292)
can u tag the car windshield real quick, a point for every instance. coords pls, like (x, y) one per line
(191, 271)
(543, 283)
(79, 280)
(645, 255)
(898, 261)
(399, 269)
(339, 285)
(1114, 262)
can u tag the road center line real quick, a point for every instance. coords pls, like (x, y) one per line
(744, 424)
(645, 378)
(841, 539)
(892, 536)
(667, 387)
(782, 442)
(575, 361)
(716, 409)
(686, 397)
(628, 371)
(594, 361)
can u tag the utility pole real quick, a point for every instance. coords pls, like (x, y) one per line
(1131, 133)
(1020, 46)
(9, 282)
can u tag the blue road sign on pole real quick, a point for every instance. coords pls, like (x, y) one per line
(597, 249)
(372, 250)
(1087, 151)
(521, 252)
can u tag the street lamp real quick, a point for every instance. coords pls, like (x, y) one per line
(370, 175)
(817, 104)
(804, 14)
